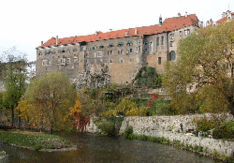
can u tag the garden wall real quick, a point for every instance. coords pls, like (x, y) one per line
(173, 128)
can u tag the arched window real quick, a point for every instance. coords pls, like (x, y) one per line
(172, 56)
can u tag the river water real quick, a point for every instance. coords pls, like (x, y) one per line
(98, 148)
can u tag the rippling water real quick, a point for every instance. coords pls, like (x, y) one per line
(98, 148)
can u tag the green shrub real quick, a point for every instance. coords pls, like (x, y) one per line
(107, 128)
(128, 132)
(225, 130)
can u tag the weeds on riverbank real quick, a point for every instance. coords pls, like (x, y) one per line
(128, 133)
(35, 141)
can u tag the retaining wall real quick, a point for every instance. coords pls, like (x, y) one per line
(173, 128)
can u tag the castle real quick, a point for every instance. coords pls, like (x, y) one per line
(115, 56)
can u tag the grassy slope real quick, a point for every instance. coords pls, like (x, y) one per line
(34, 140)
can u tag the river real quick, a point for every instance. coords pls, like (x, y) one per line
(97, 148)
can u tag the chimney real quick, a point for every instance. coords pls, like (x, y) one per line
(96, 33)
(126, 33)
(186, 14)
(179, 14)
(160, 21)
(57, 40)
(110, 30)
(41, 42)
(136, 30)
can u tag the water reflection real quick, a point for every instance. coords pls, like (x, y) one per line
(97, 148)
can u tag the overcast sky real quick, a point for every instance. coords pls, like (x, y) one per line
(25, 23)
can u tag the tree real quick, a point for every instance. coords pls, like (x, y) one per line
(51, 96)
(147, 76)
(14, 74)
(205, 61)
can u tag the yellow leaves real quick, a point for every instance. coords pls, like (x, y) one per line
(84, 90)
(23, 107)
(76, 108)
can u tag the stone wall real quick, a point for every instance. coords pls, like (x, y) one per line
(170, 128)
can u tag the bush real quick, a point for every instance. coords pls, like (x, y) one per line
(107, 128)
(128, 132)
(160, 107)
(225, 130)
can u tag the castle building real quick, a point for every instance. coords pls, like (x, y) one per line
(115, 56)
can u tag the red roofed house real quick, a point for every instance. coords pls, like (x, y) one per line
(226, 16)
(115, 56)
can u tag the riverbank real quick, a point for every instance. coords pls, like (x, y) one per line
(36, 141)
(173, 131)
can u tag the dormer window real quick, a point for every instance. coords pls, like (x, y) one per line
(129, 43)
(120, 44)
(110, 45)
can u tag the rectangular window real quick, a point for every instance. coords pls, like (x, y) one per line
(181, 33)
(172, 36)
(171, 43)
(130, 50)
(157, 41)
(187, 32)
(151, 46)
(159, 60)
(68, 60)
(162, 40)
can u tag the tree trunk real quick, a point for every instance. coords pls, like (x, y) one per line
(12, 116)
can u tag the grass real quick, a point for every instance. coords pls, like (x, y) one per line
(34, 140)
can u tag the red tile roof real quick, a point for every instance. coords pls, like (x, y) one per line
(170, 24)
(224, 19)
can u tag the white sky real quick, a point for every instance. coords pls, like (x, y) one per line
(25, 23)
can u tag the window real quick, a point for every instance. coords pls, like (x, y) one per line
(95, 47)
(75, 59)
(157, 41)
(68, 50)
(45, 62)
(151, 46)
(110, 61)
(162, 40)
(129, 43)
(172, 56)
(101, 47)
(74, 54)
(138, 48)
(120, 44)
(159, 60)
(120, 60)
(68, 60)
(171, 43)
(130, 59)
(39, 53)
(130, 50)
(138, 41)
(181, 33)
(109, 52)
(187, 32)
(146, 42)
(172, 36)
(75, 49)
(110, 45)
(119, 51)
(63, 51)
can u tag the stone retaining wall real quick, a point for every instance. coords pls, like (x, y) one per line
(172, 128)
